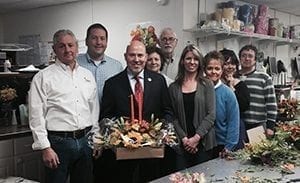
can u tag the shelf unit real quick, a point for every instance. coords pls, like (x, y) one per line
(222, 34)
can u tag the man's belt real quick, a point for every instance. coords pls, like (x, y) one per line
(77, 134)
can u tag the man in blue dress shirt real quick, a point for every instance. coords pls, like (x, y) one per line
(102, 67)
(95, 60)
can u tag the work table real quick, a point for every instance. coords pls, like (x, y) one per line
(221, 170)
(14, 131)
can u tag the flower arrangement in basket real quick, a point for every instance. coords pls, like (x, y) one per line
(7, 94)
(124, 132)
(7, 97)
(131, 133)
(145, 34)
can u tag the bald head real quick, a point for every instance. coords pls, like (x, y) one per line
(136, 56)
(135, 43)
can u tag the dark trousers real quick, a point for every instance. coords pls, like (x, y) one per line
(75, 158)
(138, 171)
(105, 166)
(216, 151)
(242, 136)
(168, 162)
(125, 171)
(185, 160)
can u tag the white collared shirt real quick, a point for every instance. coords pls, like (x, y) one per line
(132, 79)
(218, 84)
(62, 100)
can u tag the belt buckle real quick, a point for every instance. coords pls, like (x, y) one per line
(76, 133)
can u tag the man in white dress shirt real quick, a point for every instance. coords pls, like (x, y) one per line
(63, 108)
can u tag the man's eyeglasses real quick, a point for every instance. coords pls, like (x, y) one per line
(170, 39)
(247, 56)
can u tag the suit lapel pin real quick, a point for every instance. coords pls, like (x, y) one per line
(87, 79)
(149, 79)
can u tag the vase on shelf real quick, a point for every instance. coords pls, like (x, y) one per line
(6, 113)
(14, 117)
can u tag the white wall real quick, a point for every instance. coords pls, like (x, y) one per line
(119, 17)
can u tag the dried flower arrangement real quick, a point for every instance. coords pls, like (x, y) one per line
(277, 151)
(287, 109)
(124, 132)
(187, 177)
(7, 94)
(145, 34)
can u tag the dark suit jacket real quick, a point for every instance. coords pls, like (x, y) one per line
(116, 100)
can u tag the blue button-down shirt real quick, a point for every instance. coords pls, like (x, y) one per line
(107, 68)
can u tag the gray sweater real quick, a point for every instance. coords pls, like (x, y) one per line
(204, 112)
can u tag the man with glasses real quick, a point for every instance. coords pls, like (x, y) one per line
(263, 106)
(168, 42)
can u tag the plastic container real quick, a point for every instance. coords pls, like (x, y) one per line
(7, 66)
(273, 26)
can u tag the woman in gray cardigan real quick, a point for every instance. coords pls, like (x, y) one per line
(193, 102)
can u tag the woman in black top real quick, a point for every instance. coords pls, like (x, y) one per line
(193, 102)
(230, 77)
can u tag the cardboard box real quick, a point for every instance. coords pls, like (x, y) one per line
(139, 153)
(256, 135)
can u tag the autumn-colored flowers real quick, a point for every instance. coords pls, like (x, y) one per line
(124, 132)
(279, 150)
(146, 35)
(7, 94)
(187, 177)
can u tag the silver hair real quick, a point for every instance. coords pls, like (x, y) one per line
(168, 29)
(62, 32)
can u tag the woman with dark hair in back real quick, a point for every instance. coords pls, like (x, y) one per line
(156, 62)
(230, 78)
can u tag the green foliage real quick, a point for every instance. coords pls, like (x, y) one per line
(274, 152)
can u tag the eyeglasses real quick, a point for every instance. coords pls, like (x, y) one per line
(170, 39)
(247, 55)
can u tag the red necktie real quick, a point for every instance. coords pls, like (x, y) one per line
(138, 93)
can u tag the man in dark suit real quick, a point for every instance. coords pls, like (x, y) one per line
(116, 103)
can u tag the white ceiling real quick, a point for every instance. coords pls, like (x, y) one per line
(7, 6)
(288, 6)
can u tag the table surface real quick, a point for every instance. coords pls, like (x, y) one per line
(16, 180)
(14, 131)
(221, 170)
